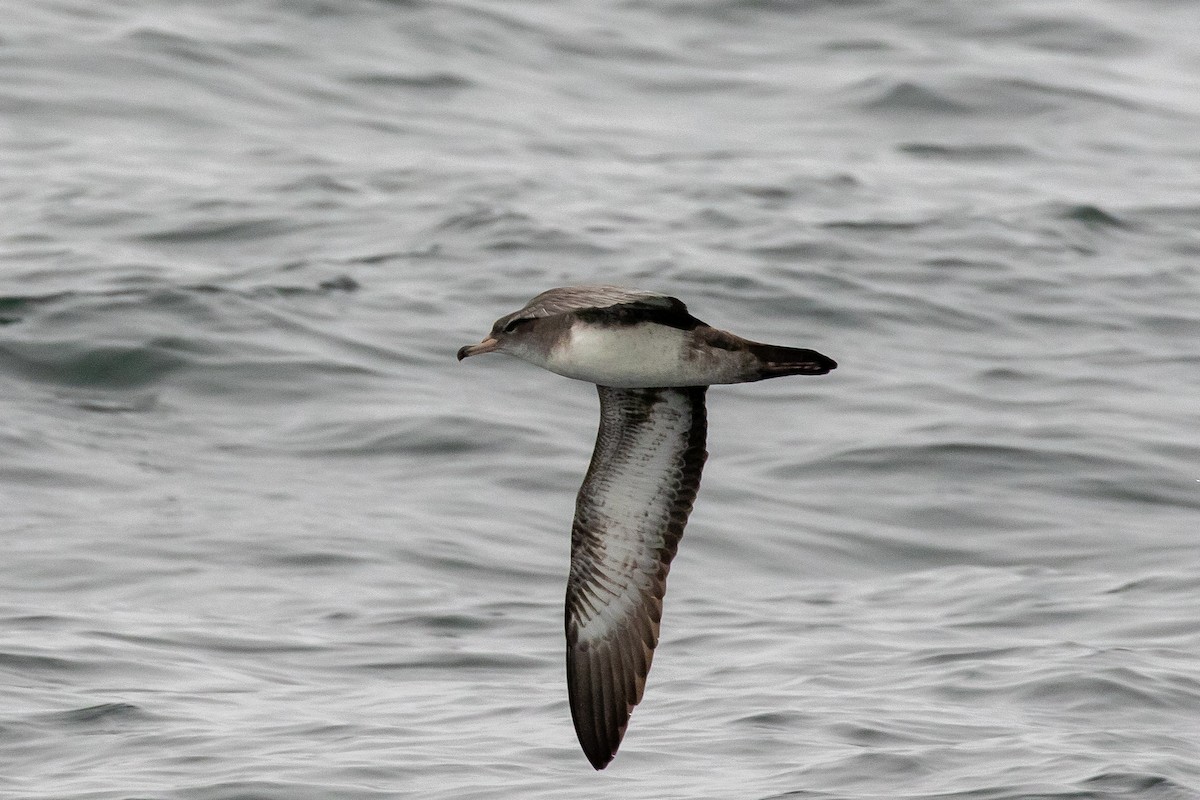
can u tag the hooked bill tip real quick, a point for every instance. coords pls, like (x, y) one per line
(488, 345)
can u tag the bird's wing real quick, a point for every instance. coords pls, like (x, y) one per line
(574, 298)
(608, 305)
(629, 518)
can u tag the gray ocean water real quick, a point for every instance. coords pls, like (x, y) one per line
(262, 537)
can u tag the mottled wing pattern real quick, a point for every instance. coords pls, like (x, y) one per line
(629, 518)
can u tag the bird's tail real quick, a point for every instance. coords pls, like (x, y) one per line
(775, 361)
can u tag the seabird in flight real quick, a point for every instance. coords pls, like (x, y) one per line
(652, 362)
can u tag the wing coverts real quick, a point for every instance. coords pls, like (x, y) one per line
(629, 518)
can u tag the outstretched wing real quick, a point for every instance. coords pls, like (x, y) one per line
(610, 305)
(629, 517)
(574, 298)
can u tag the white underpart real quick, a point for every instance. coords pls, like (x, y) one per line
(634, 356)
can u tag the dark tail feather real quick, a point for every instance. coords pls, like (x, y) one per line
(775, 361)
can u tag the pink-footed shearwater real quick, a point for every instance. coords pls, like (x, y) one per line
(652, 362)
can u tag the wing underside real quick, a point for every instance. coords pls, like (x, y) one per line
(629, 518)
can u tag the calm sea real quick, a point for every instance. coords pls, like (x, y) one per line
(261, 536)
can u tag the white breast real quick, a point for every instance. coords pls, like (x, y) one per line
(626, 356)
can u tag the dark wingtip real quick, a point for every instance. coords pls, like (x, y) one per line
(595, 741)
(815, 363)
(776, 361)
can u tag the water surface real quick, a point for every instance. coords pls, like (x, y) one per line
(264, 538)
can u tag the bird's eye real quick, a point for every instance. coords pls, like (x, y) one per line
(516, 323)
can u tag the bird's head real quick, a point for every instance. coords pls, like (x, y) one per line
(511, 334)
